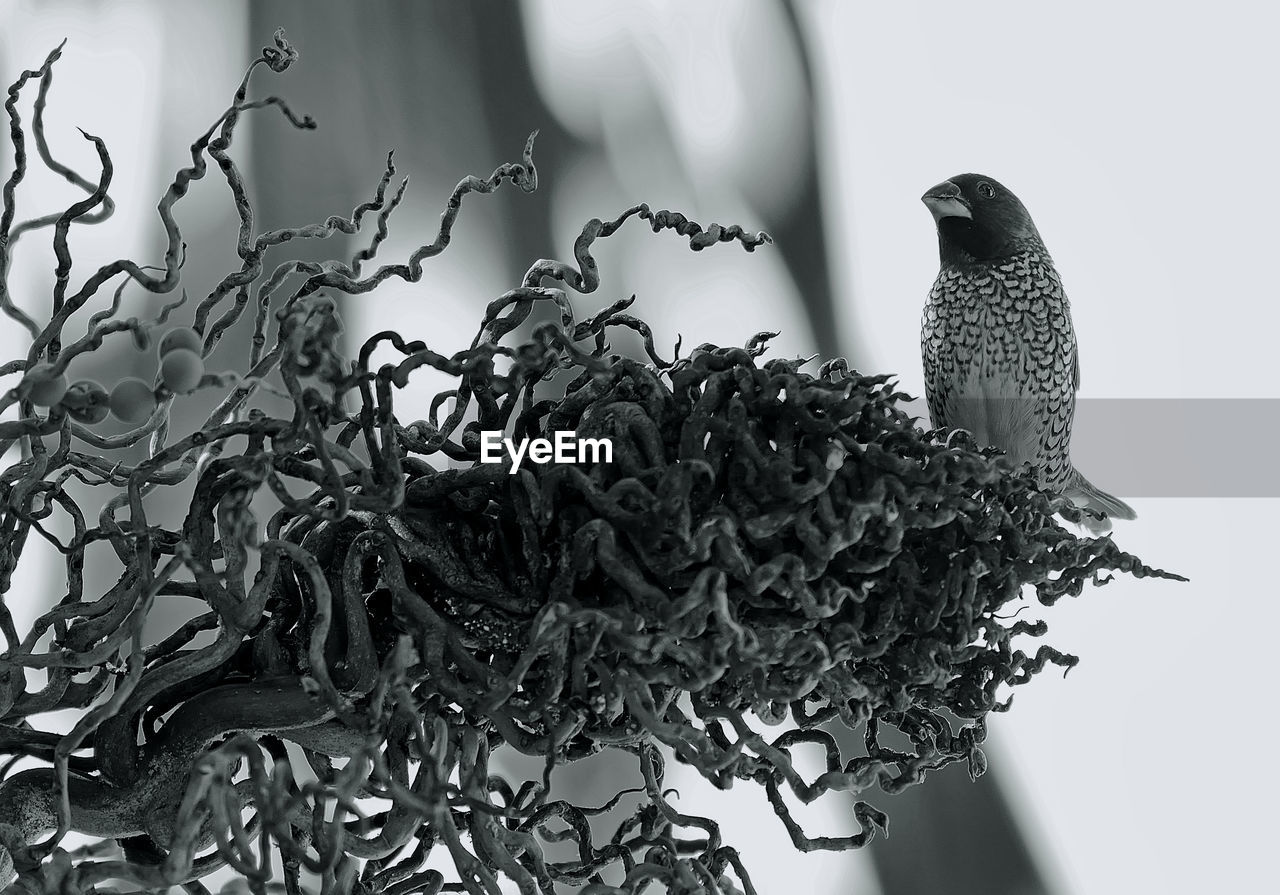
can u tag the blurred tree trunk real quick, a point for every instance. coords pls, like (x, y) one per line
(801, 236)
(446, 85)
(949, 834)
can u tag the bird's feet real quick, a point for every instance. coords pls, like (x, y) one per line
(1097, 524)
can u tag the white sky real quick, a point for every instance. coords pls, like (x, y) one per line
(1139, 137)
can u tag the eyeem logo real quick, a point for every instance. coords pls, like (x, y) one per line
(567, 447)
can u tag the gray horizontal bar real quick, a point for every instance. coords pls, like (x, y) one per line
(1174, 447)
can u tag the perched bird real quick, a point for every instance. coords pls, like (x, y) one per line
(999, 350)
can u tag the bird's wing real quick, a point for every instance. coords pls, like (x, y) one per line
(937, 393)
(934, 350)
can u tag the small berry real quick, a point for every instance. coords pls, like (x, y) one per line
(94, 413)
(181, 337)
(87, 401)
(132, 400)
(181, 370)
(47, 388)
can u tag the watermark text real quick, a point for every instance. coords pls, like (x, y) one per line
(564, 447)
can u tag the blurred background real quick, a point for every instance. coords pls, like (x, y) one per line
(1137, 135)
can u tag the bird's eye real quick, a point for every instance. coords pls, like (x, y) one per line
(986, 190)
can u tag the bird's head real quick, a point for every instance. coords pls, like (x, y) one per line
(979, 219)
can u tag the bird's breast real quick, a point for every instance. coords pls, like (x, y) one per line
(996, 328)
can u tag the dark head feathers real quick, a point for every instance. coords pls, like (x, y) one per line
(979, 220)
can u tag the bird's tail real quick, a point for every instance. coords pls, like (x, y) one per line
(1084, 493)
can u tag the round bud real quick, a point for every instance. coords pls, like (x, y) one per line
(181, 337)
(94, 413)
(47, 388)
(132, 400)
(87, 401)
(181, 370)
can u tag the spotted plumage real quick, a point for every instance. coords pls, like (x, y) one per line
(997, 342)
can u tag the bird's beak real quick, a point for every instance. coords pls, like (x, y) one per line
(945, 201)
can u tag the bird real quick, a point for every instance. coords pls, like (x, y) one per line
(999, 350)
